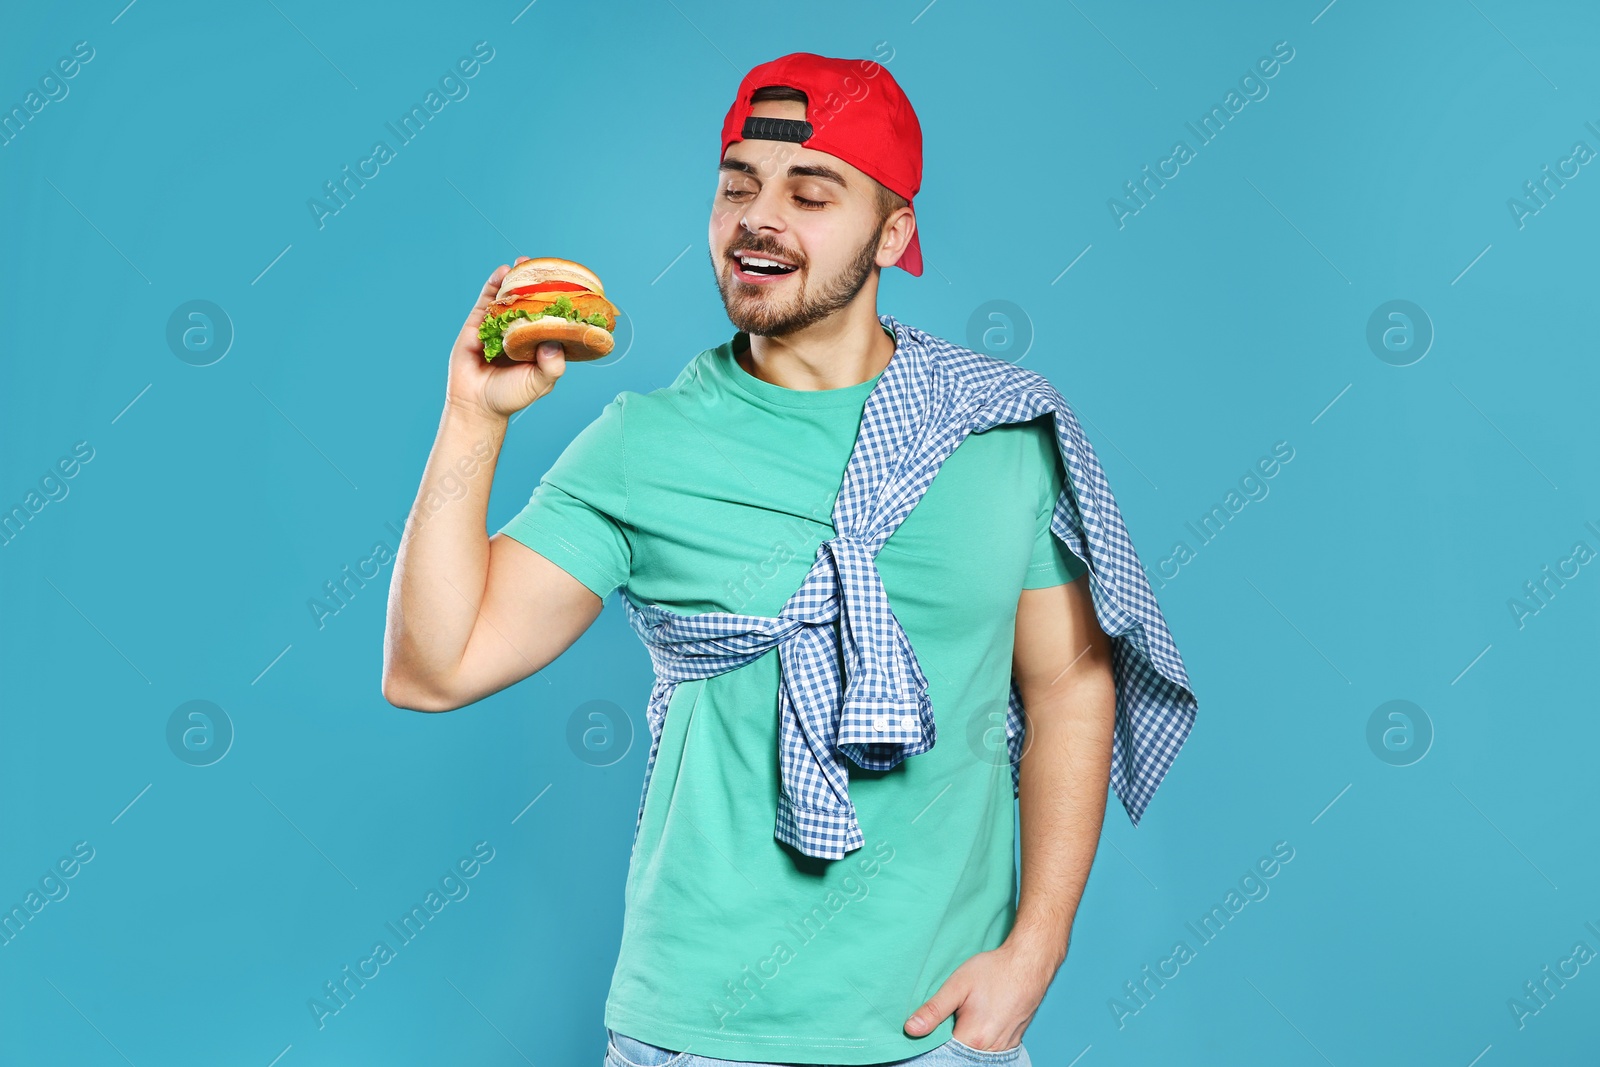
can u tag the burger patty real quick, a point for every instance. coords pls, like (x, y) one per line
(585, 303)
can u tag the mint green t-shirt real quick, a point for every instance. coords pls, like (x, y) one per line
(712, 494)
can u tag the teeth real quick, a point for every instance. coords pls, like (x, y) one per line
(753, 262)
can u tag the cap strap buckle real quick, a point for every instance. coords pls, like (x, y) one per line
(767, 128)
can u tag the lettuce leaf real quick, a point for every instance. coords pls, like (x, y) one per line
(492, 331)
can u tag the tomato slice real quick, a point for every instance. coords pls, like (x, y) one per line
(546, 287)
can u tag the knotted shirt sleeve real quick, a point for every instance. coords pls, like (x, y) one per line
(577, 515)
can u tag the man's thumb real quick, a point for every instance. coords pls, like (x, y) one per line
(933, 1012)
(550, 360)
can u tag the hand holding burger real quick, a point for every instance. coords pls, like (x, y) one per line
(548, 299)
(479, 387)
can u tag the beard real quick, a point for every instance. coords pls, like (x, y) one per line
(755, 311)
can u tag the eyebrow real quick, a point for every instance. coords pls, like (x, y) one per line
(827, 174)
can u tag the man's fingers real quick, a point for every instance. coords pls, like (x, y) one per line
(491, 289)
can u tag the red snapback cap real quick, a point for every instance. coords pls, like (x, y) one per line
(855, 110)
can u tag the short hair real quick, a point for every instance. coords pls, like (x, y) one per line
(888, 199)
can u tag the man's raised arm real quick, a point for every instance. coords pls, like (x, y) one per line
(468, 614)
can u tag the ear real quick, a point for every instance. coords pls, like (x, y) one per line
(897, 232)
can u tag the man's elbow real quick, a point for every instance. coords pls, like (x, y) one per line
(410, 697)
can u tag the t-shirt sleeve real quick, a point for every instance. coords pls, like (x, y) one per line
(1052, 563)
(577, 516)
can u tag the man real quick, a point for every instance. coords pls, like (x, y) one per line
(712, 495)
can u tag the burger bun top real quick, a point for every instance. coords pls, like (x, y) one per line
(550, 269)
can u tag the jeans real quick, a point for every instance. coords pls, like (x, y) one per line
(625, 1051)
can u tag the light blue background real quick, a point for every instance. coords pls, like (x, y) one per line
(1229, 314)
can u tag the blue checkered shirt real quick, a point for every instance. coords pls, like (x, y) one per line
(929, 398)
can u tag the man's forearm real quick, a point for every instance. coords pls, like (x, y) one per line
(443, 562)
(1062, 800)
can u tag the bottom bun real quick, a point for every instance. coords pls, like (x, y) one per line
(579, 340)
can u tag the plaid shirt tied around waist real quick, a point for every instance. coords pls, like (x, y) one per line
(930, 397)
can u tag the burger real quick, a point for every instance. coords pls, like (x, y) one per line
(549, 299)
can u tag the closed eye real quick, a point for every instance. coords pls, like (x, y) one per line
(735, 194)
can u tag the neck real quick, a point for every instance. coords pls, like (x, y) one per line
(840, 351)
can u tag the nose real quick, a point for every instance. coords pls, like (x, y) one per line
(762, 213)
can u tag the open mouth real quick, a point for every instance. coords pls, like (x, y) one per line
(754, 266)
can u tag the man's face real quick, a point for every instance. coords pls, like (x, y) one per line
(804, 208)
